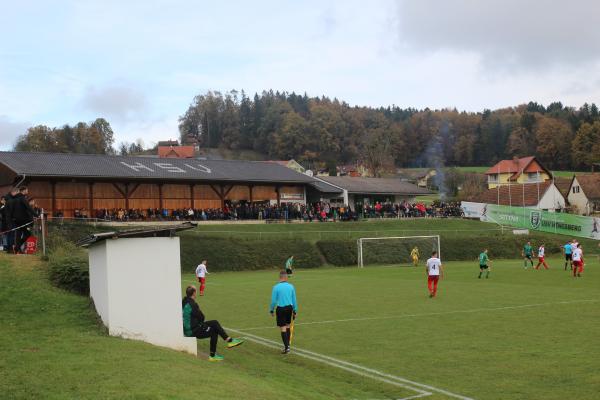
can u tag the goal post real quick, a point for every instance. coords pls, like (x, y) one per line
(395, 249)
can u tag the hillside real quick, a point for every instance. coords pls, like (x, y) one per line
(53, 348)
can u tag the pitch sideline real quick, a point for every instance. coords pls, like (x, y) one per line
(422, 389)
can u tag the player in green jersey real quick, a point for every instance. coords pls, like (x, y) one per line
(484, 260)
(527, 254)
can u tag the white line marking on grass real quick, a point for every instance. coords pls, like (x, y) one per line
(275, 345)
(420, 388)
(474, 310)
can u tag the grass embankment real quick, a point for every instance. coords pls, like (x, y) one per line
(52, 347)
(235, 247)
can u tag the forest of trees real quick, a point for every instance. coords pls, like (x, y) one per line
(323, 132)
(90, 138)
(318, 129)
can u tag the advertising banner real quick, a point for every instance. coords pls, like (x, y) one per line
(534, 219)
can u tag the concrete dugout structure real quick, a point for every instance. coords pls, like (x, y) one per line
(135, 283)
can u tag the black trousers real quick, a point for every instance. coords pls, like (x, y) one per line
(211, 329)
(21, 235)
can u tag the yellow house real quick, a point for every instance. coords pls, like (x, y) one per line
(291, 164)
(517, 170)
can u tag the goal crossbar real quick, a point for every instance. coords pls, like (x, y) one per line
(359, 243)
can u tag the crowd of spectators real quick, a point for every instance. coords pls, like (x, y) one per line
(239, 211)
(17, 213)
(412, 210)
(321, 211)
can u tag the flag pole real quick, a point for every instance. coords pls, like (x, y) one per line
(509, 195)
(498, 185)
(538, 187)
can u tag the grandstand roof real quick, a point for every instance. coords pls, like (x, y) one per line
(325, 187)
(525, 195)
(375, 185)
(68, 165)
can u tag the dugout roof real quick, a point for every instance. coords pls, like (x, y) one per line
(162, 231)
(68, 165)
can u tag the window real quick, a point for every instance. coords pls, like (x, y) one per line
(493, 178)
(533, 177)
(575, 189)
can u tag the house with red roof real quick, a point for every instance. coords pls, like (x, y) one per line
(176, 151)
(543, 195)
(518, 170)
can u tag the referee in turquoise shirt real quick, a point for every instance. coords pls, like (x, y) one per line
(284, 306)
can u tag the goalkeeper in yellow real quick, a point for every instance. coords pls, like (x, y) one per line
(414, 256)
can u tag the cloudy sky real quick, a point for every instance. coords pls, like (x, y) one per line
(139, 64)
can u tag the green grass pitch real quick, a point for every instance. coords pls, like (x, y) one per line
(522, 334)
(369, 333)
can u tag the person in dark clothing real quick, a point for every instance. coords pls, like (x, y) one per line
(4, 223)
(11, 235)
(22, 215)
(195, 325)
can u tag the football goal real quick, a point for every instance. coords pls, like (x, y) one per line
(396, 250)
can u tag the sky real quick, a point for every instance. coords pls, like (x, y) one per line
(139, 64)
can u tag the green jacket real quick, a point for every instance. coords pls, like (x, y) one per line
(193, 318)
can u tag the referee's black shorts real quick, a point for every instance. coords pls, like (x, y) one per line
(284, 315)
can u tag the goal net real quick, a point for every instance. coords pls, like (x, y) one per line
(395, 250)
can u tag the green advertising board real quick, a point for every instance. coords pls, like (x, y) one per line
(544, 221)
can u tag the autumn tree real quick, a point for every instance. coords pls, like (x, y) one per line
(586, 145)
(551, 136)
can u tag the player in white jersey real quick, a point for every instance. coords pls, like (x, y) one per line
(541, 261)
(435, 271)
(577, 261)
(201, 273)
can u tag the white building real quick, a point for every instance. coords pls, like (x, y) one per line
(135, 283)
(584, 194)
(542, 195)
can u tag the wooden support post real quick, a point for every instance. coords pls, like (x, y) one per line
(123, 193)
(160, 197)
(250, 194)
(222, 196)
(277, 189)
(127, 197)
(192, 196)
(53, 188)
(91, 199)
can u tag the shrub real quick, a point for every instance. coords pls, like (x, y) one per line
(338, 252)
(70, 272)
(227, 254)
(454, 248)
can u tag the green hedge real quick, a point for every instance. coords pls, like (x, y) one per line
(227, 254)
(338, 252)
(68, 267)
(454, 248)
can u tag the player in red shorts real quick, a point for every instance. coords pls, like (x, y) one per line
(541, 261)
(435, 271)
(577, 261)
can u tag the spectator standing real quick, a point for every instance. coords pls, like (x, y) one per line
(22, 214)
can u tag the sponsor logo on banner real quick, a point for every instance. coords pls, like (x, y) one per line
(535, 219)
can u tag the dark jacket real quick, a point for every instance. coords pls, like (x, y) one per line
(7, 212)
(21, 211)
(193, 318)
